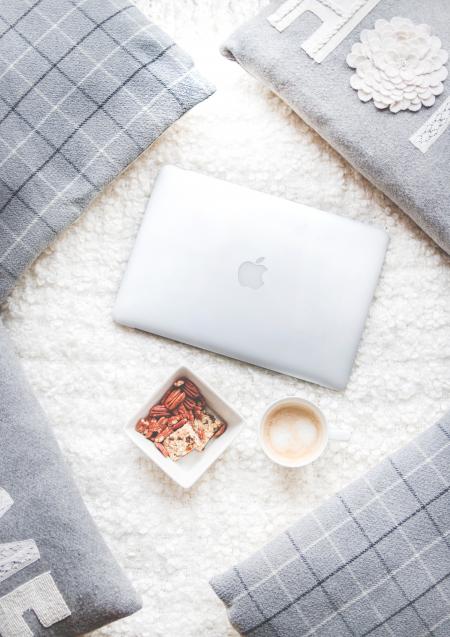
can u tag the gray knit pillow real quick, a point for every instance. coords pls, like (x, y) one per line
(299, 49)
(57, 577)
(85, 87)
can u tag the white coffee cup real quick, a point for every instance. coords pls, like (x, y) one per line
(294, 432)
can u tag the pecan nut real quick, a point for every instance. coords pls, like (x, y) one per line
(191, 388)
(174, 399)
(159, 410)
(162, 449)
(189, 402)
(220, 431)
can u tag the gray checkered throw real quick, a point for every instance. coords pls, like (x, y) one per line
(85, 87)
(372, 561)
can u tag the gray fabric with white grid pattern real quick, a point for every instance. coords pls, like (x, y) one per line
(374, 560)
(85, 87)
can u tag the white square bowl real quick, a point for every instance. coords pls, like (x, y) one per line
(190, 468)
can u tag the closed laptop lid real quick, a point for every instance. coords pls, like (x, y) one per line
(268, 281)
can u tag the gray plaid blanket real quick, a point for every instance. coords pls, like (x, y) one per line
(372, 561)
(85, 87)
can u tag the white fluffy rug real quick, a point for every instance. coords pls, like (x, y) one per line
(91, 374)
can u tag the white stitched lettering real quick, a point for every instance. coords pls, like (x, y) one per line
(16, 555)
(39, 595)
(339, 18)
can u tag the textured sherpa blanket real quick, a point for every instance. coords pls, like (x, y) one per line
(92, 375)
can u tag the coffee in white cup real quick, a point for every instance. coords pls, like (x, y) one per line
(294, 432)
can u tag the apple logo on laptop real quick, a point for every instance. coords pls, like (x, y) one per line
(250, 274)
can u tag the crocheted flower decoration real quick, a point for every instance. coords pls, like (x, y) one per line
(399, 65)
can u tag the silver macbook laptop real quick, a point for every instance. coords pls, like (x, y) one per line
(267, 281)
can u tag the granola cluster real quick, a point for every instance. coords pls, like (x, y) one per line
(181, 421)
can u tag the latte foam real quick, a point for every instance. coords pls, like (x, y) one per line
(293, 432)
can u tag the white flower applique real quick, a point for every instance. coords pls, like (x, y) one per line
(399, 65)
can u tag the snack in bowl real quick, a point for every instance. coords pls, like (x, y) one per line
(181, 422)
